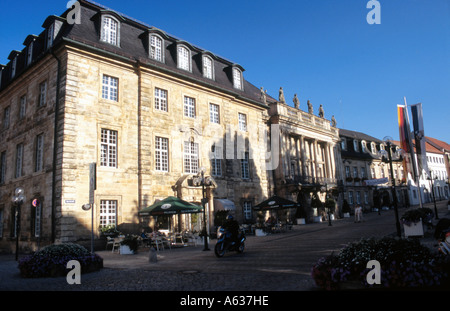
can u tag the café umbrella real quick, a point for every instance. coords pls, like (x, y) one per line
(170, 206)
(274, 203)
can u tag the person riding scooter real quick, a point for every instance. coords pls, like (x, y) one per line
(233, 227)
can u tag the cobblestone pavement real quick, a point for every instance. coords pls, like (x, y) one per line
(276, 262)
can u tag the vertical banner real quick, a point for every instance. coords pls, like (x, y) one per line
(404, 133)
(419, 136)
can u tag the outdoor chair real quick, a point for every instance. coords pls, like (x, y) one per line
(116, 244)
(158, 242)
(109, 241)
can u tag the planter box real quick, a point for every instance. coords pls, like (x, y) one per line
(346, 215)
(125, 250)
(301, 221)
(415, 229)
(317, 218)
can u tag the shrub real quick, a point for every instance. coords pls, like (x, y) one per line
(415, 215)
(51, 261)
(404, 264)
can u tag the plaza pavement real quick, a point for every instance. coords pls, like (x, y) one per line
(276, 262)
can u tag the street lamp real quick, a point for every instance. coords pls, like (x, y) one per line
(430, 178)
(18, 199)
(388, 141)
(204, 182)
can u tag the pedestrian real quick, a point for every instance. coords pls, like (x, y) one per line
(358, 213)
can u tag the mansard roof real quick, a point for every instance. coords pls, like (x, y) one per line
(133, 47)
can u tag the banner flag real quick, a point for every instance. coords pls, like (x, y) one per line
(419, 136)
(404, 137)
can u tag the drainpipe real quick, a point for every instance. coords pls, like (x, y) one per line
(55, 143)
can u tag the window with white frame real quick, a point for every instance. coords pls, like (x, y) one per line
(363, 146)
(358, 197)
(110, 30)
(247, 209)
(161, 99)
(19, 160)
(214, 116)
(355, 145)
(13, 67)
(208, 71)
(216, 163)
(366, 197)
(372, 171)
(2, 167)
(363, 172)
(162, 154)
(108, 212)
(355, 172)
(50, 35)
(6, 117)
(350, 197)
(42, 100)
(156, 48)
(347, 172)
(344, 144)
(245, 171)
(190, 157)
(30, 53)
(237, 78)
(189, 107)
(242, 122)
(110, 88)
(108, 148)
(184, 58)
(374, 148)
(22, 107)
(39, 160)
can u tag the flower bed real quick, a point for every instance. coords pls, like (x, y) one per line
(404, 264)
(413, 216)
(51, 261)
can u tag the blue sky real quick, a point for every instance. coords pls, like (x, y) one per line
(323, 50)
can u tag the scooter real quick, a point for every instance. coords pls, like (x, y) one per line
(224, 243)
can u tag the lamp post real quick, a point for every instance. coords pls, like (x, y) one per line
(388, 141)
(430, 178)
(18, 199)
(204, 200)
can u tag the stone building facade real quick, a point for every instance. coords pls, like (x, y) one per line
(309, 158)
(149, 109)
(366, 177)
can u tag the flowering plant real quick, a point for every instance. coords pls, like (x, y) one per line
(413, 216)
(404, 264)
(52, 260)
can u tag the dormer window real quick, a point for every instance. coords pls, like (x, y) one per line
(208, 67)
(30, 53)
(13, 67)
(355, 145)
(344, 144)
(237, 78)
(373, 148)
(53, 25)
(156, 48)
(363, 146)
(50, 35)
(184, 58)
(110, 30)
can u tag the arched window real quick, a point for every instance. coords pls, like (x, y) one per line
(184, 58)
(110, 30)
(156, 48)
(237, 78)
(208, 67)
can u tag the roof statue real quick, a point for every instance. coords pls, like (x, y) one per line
(310, 107)
(296, 102)
(263, 95)
(321, 112)
(281, 96)
(333, 122)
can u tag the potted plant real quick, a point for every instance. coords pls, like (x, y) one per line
(346, 209)
(300, 215)
(448, 205)
(128, 245)
(317, 204)
(259, 228)
(414, 220)
(109, 230)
